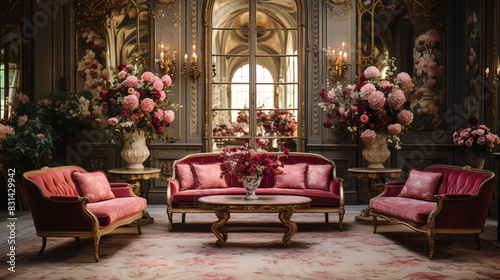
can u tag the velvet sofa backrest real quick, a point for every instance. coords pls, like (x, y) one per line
(460, 181)
(267, 182)
(55, 182)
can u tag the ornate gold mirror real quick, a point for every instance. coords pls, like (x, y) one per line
(110, 33)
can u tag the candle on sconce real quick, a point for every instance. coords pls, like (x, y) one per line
(498, 70)
(345, 57)
(339, 59)
(161, 55)
(487, 71)
(343, 44)
(195, 58)
(185, 58)
(173, 55)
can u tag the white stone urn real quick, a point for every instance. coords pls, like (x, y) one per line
(376, 152)
(474, 160)
(251, 183)
(135, 152)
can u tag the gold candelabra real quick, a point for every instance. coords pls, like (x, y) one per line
(337, 63)
(166, 65)
(193, 73)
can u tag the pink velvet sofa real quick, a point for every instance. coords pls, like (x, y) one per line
(458, 205)
(59, 211)
(329, 199)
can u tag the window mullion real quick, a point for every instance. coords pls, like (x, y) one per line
(253, 69)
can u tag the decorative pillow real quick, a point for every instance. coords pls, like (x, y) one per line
(186, 176)
(421, 185)
(207, 176)
(293, 178)
(318, 176)
(92, 185)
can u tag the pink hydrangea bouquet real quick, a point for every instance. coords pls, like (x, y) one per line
(138, 102)
(477, 139)
(372, 106)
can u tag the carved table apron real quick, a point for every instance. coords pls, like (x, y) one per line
(282, 204)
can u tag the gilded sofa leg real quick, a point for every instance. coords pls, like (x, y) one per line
(375, 224)
(430, 238)
(44, 243)
(97, 238)
(183, 218)
(326, 218)
(77, 239)
(169, 214)
(139, 226)
(478, 241)
(341, 218)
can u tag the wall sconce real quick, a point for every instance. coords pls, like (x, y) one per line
(194, 73)
(337, 63)
(166, 66)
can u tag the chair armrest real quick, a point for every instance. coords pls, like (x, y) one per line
(392, 189)
(118, 185)
(122, 191)
(62, 213)
(172, 188)
(460, 211)
(453, 196)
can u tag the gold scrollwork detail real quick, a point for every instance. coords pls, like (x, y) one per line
(426, 14)
(11, 12)
(338, 9)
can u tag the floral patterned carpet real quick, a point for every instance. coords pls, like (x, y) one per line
(318, 251)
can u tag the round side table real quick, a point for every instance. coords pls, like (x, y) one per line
(375, 177)
(134, 177)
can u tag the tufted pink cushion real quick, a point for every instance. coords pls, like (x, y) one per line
(110, 211)
(186, 176)
(421, 185)
(318, 176)
(413, 210)
(294, 177)
(207, 176)
(93, 185)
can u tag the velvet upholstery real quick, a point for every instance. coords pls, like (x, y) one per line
(186, 176)
(294, 176)
(58, 210)
(93, 185)
(318, 176)
(461, 203)
(328, 199)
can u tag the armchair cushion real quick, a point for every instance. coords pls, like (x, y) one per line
(93, 185)
(186, 176)
(207, 176)
(318, 176)
(294, 177)
(110, 211)
(414, 210)
(421, 185)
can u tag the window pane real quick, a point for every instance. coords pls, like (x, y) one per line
(276, 123)
(276, 14)
(227, 96)
(284, 69)
(230, 42)
(226, 66)
(271, 96)
(230, 123)
(226, 143)
(240, 96)
(231, 14)
(277, 42)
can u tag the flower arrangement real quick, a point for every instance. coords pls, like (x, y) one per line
(281, 122)
(372, 106)
(477, 139)
(132, 103)
(246, 162)
(90, 67)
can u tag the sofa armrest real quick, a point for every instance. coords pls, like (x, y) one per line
(70, 198)
(392, 188)
(460, 211)
(173, 187)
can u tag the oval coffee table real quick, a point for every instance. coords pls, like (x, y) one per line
(282, 204)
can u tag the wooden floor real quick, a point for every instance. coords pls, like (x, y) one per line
(25, 230)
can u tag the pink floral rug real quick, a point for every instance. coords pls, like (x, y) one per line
(318, 251)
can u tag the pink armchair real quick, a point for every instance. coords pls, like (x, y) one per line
(460, 204)
(58, 210)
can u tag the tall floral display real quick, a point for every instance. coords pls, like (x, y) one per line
(428, 80)
(139, 109)
(376, 109)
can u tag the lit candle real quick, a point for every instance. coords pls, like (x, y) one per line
(340, 57)
(345, 57)
(343, 44)
(173, 56)
(195, 57)
(498, 70)
(487, 71)
(161, 55)
(185, 58)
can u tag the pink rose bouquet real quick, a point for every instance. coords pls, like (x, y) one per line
(133, 103)
(476, 138)
(370, 107)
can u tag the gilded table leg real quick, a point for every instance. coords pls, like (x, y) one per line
(223, 216)
(285, 216)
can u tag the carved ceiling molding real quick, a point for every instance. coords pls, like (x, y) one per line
(93, 14)
(11, 12)
(338, 9)
(426, 14)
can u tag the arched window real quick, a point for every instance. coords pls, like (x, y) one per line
(254, 47)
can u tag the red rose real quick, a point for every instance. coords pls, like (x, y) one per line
(327, 124)
(372, 125)
(124, 113)
(286, 150)
(380, 126)
(473, 121)
(159, 129)
(361, 108)
(362, 78)
(105, 106)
